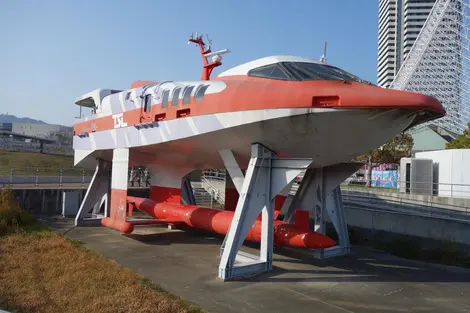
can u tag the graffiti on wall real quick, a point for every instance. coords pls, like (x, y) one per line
(384, 175)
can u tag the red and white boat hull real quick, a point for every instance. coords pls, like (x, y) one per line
(329, 136)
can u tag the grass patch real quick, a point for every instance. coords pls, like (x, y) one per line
(47, 273)
(13, 219)
(34, 159)
(43, 271)
(33, 163)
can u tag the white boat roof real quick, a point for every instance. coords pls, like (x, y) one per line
(93, 99)
(244, 68)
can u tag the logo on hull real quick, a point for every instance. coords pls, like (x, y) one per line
(119, 120)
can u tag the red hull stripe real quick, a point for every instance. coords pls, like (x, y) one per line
(248, 93)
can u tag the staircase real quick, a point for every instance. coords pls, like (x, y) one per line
(213, 182)
(213, 185)
(205, 197)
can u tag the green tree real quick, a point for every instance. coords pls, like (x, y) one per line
(391, 152)
(462, 141)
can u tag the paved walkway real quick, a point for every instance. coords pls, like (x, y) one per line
(186, 262)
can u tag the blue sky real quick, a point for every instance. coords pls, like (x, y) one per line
(54, 51)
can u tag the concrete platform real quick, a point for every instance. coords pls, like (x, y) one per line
(186, 262)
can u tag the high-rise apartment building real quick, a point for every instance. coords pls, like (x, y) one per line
(400, 22)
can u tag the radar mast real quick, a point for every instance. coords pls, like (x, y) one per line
(208, 67)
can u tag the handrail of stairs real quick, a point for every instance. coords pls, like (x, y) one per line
(207, 179)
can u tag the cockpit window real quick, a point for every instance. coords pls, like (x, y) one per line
(300, 71)
(313, 71)
(273, 71)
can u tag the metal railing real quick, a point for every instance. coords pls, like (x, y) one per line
(45, 177)
(451, 198)
(417, 197)
(424, 188)
(395, 202)
(203, 198)
(36, 177)
(213, 182)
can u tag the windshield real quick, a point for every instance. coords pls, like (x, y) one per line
(315, 71)
(301, 71)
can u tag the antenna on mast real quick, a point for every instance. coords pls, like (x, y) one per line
(209, 42)
(323, 57)
(208, 67)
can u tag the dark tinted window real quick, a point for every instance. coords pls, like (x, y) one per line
(272, 71)
(165, 96)
(187, 94)
(298, 74)
(316, 71)
(176, 95)
(148, 103)
(299, 71)
(200, 92)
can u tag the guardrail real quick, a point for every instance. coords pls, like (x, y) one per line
(214, 183)
(414, 188)
(426, 199)
(396, 203)
(33, 177)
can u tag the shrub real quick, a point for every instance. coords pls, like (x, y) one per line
(12, 216)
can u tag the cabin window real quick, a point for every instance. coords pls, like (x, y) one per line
(300, 71)
(147, 103)
(317, 71)
(165, 96)
(175, 97)
(272, 71)
(187, 94)
(128, 96)
(200, 92)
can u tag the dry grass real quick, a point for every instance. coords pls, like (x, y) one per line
(42, 271)
(34, 159)
(13, 218)
(47, 273)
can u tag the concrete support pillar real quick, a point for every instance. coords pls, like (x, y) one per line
(265, 177)
(319, 194)
(118, 203)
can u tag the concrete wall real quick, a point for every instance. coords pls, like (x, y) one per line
(43, 201)
(49, 201)
(409, 225)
